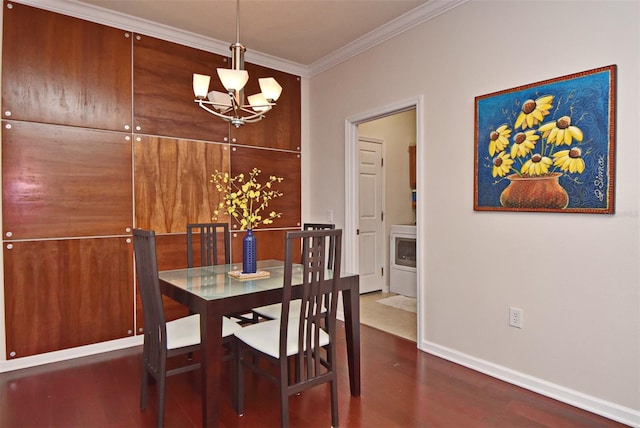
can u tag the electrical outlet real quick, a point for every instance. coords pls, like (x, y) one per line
(515, 317)
(330, 216)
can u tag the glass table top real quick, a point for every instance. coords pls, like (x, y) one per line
(213, 282)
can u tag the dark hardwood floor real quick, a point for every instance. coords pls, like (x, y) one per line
(401, 387)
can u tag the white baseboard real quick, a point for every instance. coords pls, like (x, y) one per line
(68, 354)
(583, 401)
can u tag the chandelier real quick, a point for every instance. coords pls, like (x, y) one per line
(231, 106)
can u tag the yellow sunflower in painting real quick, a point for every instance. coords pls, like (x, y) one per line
(561, 131)
(502, 164)
(499, 139)
(569, 160)
(537, 165)
(534, 111)
(523, 143)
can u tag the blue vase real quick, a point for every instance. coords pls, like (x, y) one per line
(249, 247)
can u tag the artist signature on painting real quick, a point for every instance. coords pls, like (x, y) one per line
(599, 180)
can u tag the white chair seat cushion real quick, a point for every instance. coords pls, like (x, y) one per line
(229, 327)
(186, 331)
(265, 337)
(275, 311)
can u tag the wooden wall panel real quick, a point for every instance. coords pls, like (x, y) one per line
(163, 90)
(65, 293)
(67, 85)
(172, 185)
(281, 127)
(281, 164)
(171, 251)
(60, 181)
(63, 70)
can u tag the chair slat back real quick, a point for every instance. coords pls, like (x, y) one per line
(215, 243)
(319, 296)
(323, 226)
(155, 332)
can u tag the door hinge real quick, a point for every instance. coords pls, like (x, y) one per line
(381, 215)
(382, 271)
(381, 161)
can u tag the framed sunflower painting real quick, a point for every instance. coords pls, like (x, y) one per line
(548, 146)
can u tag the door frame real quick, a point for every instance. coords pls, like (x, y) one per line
(350, 242)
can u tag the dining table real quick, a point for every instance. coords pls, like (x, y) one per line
(216, 291)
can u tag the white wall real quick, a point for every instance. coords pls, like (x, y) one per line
(576, 276)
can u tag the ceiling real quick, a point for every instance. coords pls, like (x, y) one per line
(300, 31)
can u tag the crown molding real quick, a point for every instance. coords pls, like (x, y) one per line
(129, 23)
(114, 19)
(405, 22)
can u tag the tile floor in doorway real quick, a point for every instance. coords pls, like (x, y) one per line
(386, 318)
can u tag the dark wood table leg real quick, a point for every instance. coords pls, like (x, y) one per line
(351, 303)
(211, 357)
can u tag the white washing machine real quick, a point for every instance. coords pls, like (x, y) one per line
(403, 277)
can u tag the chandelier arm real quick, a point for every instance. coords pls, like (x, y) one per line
(253, 119)
(252, 114)
(213, 112)
(235, 105)
(249, 108)
(201, 102)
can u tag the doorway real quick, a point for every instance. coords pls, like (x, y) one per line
(352, 190)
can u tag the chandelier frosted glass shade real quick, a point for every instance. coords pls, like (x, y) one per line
(270, 88)
(220, 100)
(201, 85)
(233, 80)
(258, 103)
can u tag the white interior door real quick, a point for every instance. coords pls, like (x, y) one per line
(371, 237)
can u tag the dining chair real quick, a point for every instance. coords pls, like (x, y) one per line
(273, 311)
(209, 236)
(164, 339)
(304, 338)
